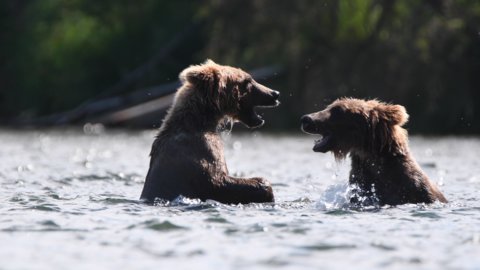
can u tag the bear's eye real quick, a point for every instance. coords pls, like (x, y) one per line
(336, 112)
(246, 85)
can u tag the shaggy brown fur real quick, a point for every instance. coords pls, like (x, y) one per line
(187, 155)
(382, 167)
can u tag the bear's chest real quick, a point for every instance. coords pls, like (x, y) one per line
(214, 146)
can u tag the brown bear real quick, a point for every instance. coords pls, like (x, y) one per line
(187, 154)
(383, 169)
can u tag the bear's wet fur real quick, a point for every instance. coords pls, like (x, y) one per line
(187, 156)
(383, 169)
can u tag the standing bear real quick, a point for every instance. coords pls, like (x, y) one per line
(187, 154)
(383, 169)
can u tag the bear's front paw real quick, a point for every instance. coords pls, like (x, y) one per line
(266, 188)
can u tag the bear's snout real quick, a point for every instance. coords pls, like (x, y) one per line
(308, 125)
(264, 96)
(275, 94)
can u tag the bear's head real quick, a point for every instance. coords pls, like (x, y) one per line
(364, 127)
(229, 91)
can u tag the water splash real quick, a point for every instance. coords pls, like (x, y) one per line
(336, 196)
(346, 197)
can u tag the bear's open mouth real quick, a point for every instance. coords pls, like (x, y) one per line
(256, 119)
(323, 144)
(249, 116)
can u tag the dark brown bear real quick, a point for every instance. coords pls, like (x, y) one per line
(383, 170)
(187, 155)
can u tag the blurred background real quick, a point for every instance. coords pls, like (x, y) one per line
(116, 62)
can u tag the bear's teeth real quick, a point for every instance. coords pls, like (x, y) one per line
(257, 115)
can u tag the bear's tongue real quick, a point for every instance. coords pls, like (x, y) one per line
(322, 145)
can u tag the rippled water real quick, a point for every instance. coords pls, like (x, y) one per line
(69, 200)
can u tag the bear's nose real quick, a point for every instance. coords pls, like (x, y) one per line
(306, 120)
(275, 94)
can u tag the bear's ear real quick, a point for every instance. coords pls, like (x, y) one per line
(200, 75)
(209, 62)
(392, 114)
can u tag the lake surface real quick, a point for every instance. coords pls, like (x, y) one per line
(69, 200)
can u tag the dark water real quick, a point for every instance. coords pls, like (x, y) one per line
(69, 201)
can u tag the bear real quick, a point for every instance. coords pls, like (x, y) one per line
(187, 156)
(383, 171)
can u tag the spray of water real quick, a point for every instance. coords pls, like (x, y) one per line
(345, 196)
(336, 196)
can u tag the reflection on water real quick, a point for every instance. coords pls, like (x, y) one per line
(72, 197)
